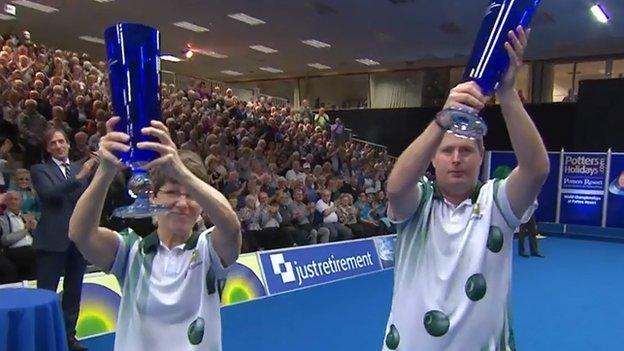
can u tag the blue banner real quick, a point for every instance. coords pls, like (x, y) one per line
(615, 204)
(291, 269)
(582, 188)
(502, 163)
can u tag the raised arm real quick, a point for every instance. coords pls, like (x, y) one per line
(98, 244)
(403, 192)
(526, 180)
(226, 236)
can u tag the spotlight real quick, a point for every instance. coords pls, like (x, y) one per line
(599, 13)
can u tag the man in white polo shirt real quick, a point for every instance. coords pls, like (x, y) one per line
(452, 278)
(170, 279)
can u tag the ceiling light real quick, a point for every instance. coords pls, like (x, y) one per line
(231, 73)
(316, 43)
(271, 70)
(318, 65)
(35, 6)
(599, 13)
(91, 39)
(210, 53)
(170, 58)
(252, 21)
(367, 62)
(262, 48)
(190, 26)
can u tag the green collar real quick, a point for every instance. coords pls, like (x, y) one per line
(437, 194)
(150, 242)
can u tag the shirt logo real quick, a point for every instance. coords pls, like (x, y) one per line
(195, 260)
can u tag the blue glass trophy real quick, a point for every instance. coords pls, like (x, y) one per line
(133, 52)
(489, 59)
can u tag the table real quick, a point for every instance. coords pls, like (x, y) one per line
(31, 320)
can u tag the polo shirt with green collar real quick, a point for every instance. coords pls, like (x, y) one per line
(452, 275)
(170, 297)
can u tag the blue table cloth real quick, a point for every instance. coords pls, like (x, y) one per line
(31, 320)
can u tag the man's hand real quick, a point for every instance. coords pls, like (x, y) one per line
(515, 47)
(466, 95)
(88, 168)
(30, 222)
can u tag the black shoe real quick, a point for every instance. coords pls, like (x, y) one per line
(538, 255)
(523, 254)
(74, 345)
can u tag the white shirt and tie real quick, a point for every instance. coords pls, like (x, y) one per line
(63, 166)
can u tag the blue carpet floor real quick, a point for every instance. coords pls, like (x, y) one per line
(570, 300)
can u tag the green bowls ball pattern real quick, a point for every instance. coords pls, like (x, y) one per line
(393, 338)
(495, 239)
(436, 323)
(476, 287)
(196, 331)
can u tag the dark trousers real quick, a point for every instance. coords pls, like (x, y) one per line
(50, 267)
(528, 229)
(268, 238)
(8, 270)
(24, 260)
(364, 230)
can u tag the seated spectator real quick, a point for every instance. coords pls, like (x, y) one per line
(16, 237)
(301, 216)
(327, 209)
(30, 202)
(249, 216)
(295, 172)
(347, 215)
(271, 236)
(366, 213)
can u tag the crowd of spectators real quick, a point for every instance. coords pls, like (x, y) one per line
(292, 175)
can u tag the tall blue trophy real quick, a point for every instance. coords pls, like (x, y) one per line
(133, 52)
(489, 59)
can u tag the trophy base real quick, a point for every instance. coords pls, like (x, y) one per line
(466, 123)
(141, 208)
(140, 188)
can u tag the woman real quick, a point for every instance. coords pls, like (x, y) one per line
(348, 215)
(183, 266)
(30, 202)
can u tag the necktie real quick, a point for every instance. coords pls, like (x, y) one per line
(67, 170)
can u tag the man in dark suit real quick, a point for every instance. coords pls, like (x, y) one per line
(59, 183)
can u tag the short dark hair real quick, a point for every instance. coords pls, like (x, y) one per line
(48, 135)
(191, 161)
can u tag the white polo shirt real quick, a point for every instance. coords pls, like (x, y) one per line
(452, 275)
(321, 206)
(170, 298)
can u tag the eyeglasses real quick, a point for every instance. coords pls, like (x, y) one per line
(174, 194)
